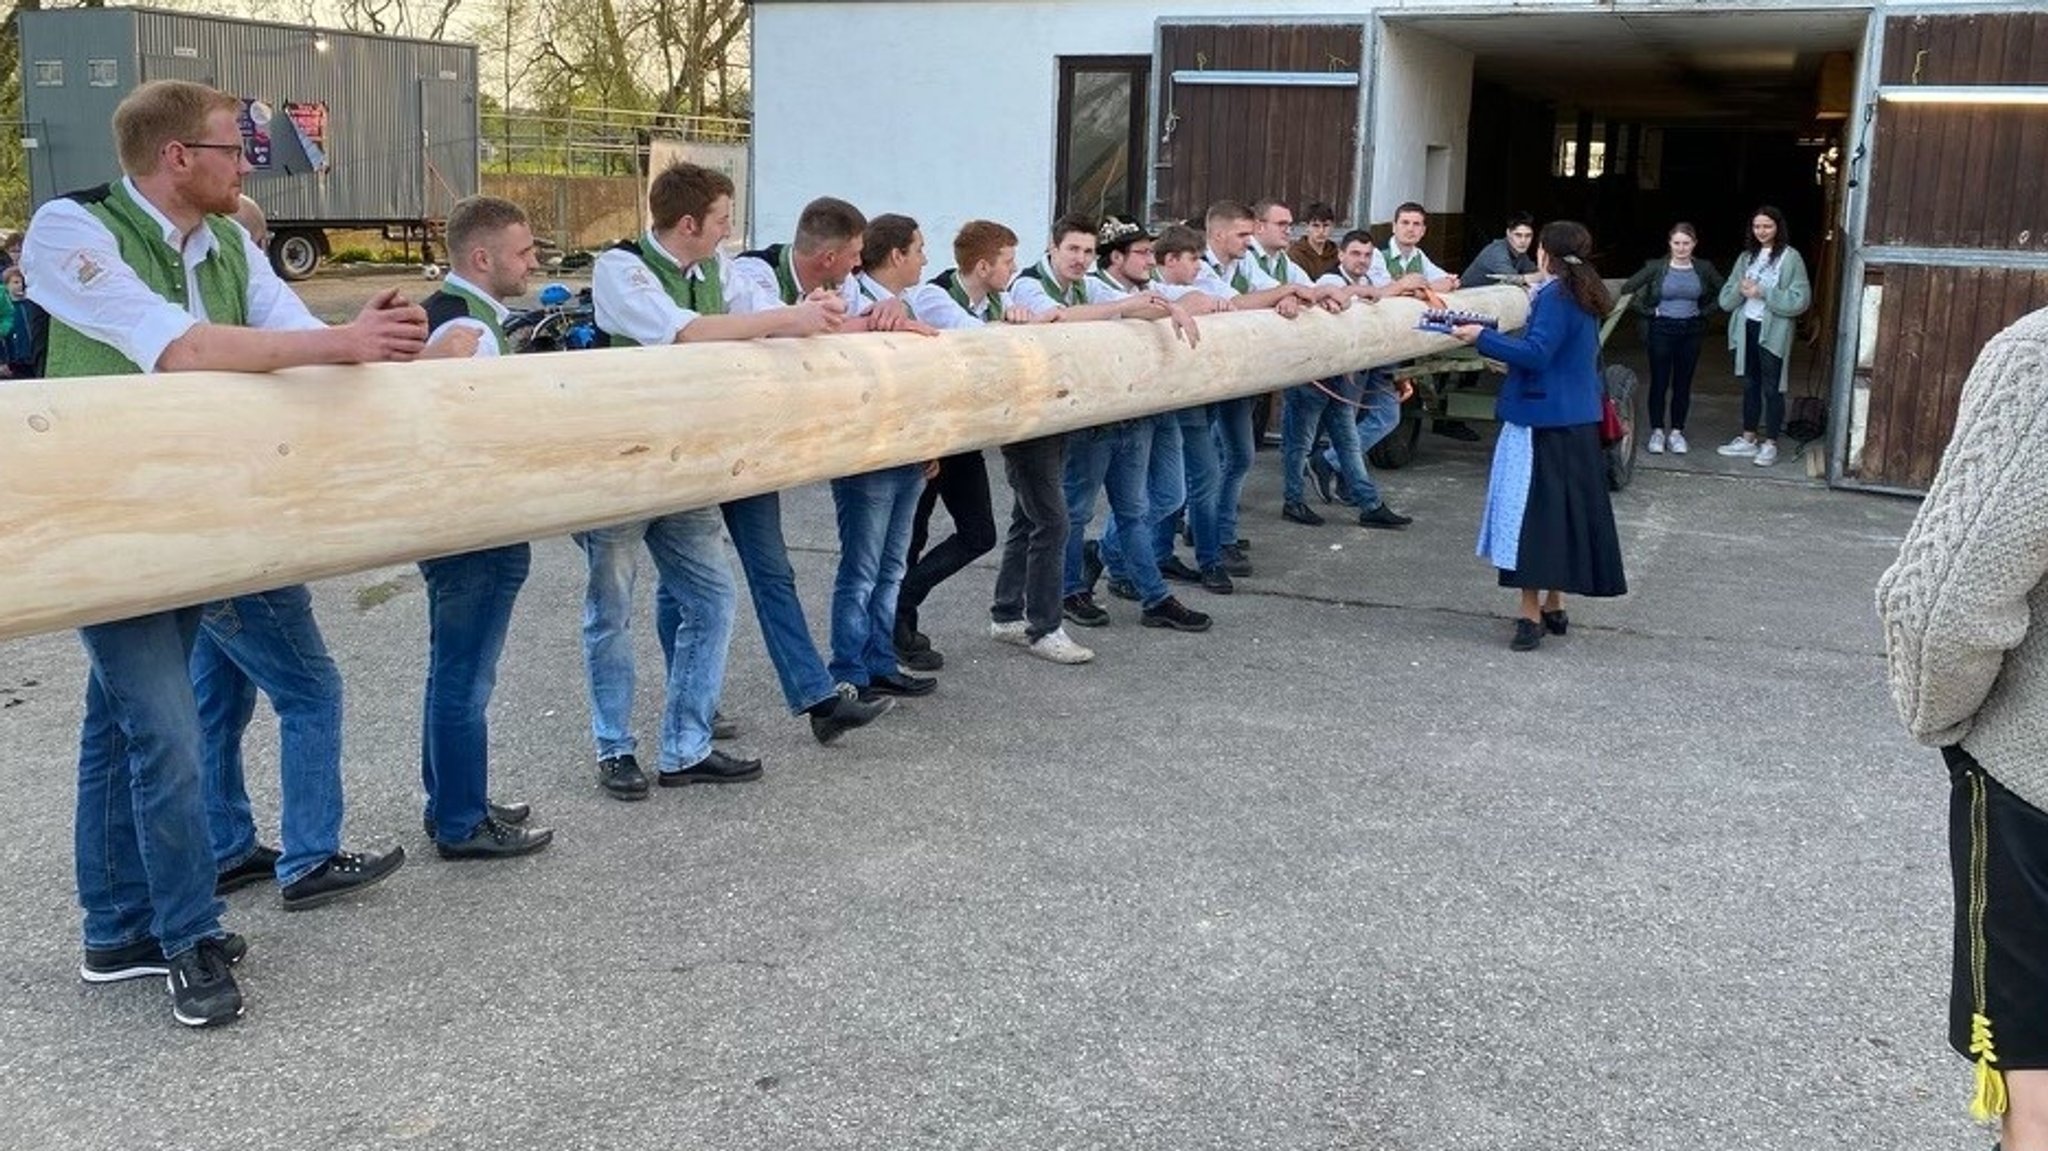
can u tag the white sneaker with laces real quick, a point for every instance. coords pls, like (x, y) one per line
(1676, 442)
(1016, 632)
(1057, 646)
(1656, 445)
(1766, 455)
(1739, 446)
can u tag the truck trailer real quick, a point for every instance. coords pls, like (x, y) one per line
(343, 130)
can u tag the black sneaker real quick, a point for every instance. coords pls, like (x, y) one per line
(494, 840)
(1091, 563)
(724, 726)
(1235, 561)
(344, 871)
(144, 959)
(1123, 589)
(1169, 613)
(1081, 609)
(621, 777)
(506, 813)
(1178, 570)
(1382, 516)
(203, 990)
(1528, 636)
(717, 767)
(261, 865)
(1216, 579)
(1323, 475)
(1456, 429)
(1296, 512)
(928, 659)
(903, 685)
(845, 711)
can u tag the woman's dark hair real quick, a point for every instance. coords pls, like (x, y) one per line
(1570, 248)
(1780, 240)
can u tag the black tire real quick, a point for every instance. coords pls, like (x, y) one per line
(1398, 447)
(296, 253)
(1620, 381)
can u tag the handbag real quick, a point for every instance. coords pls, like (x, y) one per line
(1611, 431)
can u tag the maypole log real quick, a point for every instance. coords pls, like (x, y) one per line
(124, 495)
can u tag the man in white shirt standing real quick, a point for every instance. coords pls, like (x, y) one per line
(1356, 410)
(1407, 268)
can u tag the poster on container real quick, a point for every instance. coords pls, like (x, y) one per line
(309, 124)
(254, 121)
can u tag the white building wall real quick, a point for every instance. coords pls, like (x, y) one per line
(942, 111)
(1423, 102)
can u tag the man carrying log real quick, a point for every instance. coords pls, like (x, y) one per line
(149, 275)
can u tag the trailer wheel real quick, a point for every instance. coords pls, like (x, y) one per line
(1398, 447)
(1620, 381)
(296, 253)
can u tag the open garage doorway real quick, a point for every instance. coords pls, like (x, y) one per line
(1632, 121)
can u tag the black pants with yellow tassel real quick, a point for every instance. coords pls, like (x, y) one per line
(1998, 999)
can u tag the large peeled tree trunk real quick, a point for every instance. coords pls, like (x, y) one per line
(130, 494)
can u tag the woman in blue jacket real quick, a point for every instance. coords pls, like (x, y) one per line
(1548, 525)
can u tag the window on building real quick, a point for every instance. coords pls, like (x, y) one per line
(1102, 125)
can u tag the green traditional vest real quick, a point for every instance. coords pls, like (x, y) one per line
(991, 307)
(1274, 265)
(454, 302)
(1072, 297)
(1237, 276)
(1400, 269)
(223, 279)
(704, 295)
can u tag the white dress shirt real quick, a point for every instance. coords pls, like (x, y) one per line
(936, 306)
(1216, 277)
(1381, 275)
(631, 303)
(486, 343)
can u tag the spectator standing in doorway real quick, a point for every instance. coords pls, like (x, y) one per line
(1765, 296)
(1672, 294)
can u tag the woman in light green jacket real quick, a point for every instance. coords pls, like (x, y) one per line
(1764, 296)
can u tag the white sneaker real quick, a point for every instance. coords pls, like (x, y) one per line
(1057, 646)
(1676, 442)
(1766, 455)
(1656, 445)
(1015, 632)
(1739, 446)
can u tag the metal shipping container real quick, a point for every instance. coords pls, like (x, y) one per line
(344, 130)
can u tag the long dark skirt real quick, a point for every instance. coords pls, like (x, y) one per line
(1548, 522)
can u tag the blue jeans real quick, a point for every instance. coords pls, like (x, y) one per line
(875, 513)
(144, 871)
(1115, 456)
(1307, 410)
(1232, 420)
(1381, 413)
(690, 562)
(269, 642)
(756, 527)
(1166, 490)
(469, 610)
(1204, 484)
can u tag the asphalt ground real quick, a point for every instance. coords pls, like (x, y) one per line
(1342, 873)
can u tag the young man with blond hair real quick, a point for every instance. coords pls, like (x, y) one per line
(149, 275)
(674, 286)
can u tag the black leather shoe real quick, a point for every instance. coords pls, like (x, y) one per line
(1382, 516)
(1091, 563)
(1528, 636)
(621, 777)
(1296, 512)
(1235, 561)
(344, 871)
(844, 712)
(1458, 430)
(1170, 613)
(261, 865)
(508, 813)
(906, 637)
(1178, 570)
(1556, 622)
(1216, 579)
(909, 686)
(927, 659)
(494, 840)
(1322, 474)
(1082, 610)
(717, 767)
(1123, 589)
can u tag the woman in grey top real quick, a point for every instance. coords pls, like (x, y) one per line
(1672, 294)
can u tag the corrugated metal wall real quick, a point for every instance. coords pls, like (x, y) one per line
(401, 115)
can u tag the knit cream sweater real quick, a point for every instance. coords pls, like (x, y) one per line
(1965, 607)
